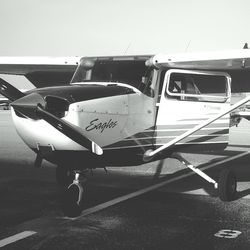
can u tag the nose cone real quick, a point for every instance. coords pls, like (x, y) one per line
(27, 105)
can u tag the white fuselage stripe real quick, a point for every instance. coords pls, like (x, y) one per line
(184, 129)
(148, 145)
(163, 137)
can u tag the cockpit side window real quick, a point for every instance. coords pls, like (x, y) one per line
(197, 86)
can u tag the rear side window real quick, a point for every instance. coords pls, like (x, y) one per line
(197, 85)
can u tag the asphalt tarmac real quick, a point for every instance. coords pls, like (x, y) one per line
(184, 214)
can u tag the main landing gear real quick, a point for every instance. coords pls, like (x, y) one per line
(226, 185)
(74, 183)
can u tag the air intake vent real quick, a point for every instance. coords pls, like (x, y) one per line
(56, 105)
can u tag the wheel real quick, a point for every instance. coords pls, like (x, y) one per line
(73, 200)
(227, 185)
(64, 176)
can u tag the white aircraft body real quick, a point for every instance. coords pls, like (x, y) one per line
(126, 110)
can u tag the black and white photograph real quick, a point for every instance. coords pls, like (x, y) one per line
(124, 125)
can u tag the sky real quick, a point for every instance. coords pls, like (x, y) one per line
(118, 27)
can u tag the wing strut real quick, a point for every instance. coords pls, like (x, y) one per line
(149, 154)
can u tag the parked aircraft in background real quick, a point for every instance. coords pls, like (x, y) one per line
(126, 110)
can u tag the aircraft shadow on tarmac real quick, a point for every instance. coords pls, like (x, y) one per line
(20, 175)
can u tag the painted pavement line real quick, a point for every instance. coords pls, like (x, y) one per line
(16, 237)
(151, 188)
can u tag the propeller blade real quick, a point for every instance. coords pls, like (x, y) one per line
(68, 130)
(9, 91)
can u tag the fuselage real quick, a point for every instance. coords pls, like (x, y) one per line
(127, 108)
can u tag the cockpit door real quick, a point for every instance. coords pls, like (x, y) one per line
(188, 98)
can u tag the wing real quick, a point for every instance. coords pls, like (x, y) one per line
(218, 60)
(41, 71)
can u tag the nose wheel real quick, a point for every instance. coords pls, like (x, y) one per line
(74, 196)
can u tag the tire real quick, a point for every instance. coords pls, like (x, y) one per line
(71, 207)
(227, 185)
(64, 176)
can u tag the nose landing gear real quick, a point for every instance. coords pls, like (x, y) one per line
(74, 194)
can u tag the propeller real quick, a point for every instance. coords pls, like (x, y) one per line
(33, 106)
(9, 91)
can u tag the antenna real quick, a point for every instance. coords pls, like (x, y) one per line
(126, 50)
(187, 46)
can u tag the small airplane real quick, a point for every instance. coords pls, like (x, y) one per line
(126, 111)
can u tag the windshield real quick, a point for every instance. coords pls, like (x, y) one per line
(130, 72)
